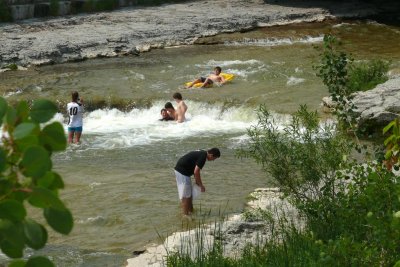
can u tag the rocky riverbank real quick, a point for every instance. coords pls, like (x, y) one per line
(260, 219)
(374, 108)
(377, 107)
(136, 30)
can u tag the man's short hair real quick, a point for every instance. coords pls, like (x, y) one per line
(215, 152)
(168, 105)
(177, 96)
(218, 69)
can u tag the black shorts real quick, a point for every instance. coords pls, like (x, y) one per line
(203, 79)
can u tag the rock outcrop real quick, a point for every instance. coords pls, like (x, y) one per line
(254, 225)
(377, 107)
(134, 30)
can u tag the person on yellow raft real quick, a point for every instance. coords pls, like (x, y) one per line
(210, 79)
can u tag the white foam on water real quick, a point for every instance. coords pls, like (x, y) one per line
(226, 63)
(241, 68)
(115, 129)
(16, 92)
(110, 129)
(136, 75)
(293, 81)
(92, 220)
(275, 41)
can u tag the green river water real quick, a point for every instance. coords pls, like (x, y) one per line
(120, 184)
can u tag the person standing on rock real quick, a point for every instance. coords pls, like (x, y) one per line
(75, 122)
(188, 165)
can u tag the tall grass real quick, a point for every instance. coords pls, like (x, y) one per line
(366, 75)
(289, 247)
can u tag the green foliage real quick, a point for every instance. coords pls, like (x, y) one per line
(5, 12)
(100, 5)
(342, 76)
(54, 7)
(26, 176)
(392, 143)
(301, 158)
(12, 66)
(350, 207)
(366, 76)
(333, 67)
(106, 5)
(258, 214)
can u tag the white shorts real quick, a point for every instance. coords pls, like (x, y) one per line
(184, 185)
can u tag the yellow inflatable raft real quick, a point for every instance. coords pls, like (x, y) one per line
(228, 77)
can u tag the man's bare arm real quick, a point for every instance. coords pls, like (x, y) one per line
(197, 178)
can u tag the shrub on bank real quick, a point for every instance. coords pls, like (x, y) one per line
(5, 12)
(342, 76)
(351, 208)
(367, 75)
(54, 7)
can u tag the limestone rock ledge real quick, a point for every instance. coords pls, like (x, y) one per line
(134, 30)
(377, 107)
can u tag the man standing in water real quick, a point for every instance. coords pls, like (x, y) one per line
(75, 112)
(188, 165)
(181, 108)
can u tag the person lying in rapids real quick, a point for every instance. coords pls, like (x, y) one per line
(214, 77)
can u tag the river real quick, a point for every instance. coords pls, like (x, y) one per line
(120, 184)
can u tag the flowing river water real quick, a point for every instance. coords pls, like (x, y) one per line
(120, 184)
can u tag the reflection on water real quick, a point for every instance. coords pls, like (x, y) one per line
(120, 184)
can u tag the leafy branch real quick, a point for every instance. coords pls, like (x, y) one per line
(28, 140)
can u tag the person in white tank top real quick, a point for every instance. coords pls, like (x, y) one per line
(75, 122)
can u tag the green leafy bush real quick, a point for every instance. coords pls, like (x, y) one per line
(303, 159)
(54, 7)
(367, 75)
(350, 207)
(12, 66)
(106, 5)
(342, 76)
(392, 143)
(26, 178)
(333, 68)
(5, 12)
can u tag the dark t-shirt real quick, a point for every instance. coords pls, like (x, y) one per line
(188, 162)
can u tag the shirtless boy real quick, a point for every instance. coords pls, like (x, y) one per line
(212, 78)
(181, 108)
